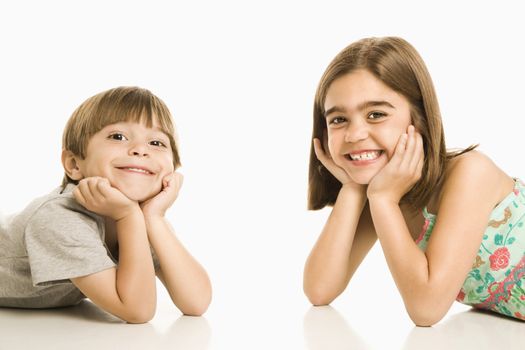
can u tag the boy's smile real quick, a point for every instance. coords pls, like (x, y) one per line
(365, 119)
(133, 157)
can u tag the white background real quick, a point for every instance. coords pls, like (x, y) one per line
(239, 78)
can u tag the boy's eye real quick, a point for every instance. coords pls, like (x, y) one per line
(117, 136)
(376, 115)
(157, 143)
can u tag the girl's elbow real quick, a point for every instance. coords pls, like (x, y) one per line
(426, 317)
(195, 310)
(318, 296)
(196, 307)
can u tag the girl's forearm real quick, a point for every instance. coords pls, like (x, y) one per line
(407, 263)
(185, 279)
(326, 272)
(135, 280)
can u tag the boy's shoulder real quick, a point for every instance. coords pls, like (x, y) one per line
(58, 205)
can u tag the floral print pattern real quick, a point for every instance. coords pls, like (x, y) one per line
(496, 280)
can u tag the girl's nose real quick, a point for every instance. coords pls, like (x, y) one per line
(356, 131)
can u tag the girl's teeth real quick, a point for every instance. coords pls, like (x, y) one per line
(366, 155)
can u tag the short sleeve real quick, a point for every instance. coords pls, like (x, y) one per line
(64, 242)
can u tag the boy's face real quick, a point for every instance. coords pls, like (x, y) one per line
(133, 157)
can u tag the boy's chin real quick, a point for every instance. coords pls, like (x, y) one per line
(139, 196)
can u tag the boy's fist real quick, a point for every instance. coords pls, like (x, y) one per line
(158, 205)
(97, 195)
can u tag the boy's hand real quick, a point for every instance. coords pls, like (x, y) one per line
(402, 171)
(97, 195)
(158, 205)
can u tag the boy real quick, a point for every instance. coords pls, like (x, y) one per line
(91, 237)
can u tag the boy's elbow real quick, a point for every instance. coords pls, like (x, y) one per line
(139, 315)
(195, 310)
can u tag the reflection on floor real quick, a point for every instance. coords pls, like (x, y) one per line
(85, 326)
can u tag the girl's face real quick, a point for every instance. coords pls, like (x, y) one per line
(364, 119)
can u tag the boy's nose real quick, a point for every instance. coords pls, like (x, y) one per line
(138, 150)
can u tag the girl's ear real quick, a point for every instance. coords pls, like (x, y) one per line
(70, 164)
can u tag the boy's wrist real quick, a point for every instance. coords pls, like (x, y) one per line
(130, 212)
(153, 218)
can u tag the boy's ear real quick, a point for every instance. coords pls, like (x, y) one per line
(70, 164)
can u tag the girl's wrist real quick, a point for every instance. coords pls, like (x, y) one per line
(382, 200)
(352, 189)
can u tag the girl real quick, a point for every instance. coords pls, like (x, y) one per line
(449, 223)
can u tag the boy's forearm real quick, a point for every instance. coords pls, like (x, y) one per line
(186, 280)
(135, 275)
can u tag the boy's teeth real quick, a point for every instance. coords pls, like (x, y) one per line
(365, 155)
(138, 170)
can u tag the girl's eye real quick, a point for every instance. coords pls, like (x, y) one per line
(337, 120)
(117, 136)
(157, 143)
(376, 115)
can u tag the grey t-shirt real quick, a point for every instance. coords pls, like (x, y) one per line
(51, 241)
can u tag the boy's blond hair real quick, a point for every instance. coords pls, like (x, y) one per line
(121, 104)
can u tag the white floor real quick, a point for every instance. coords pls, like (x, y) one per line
(288, 324)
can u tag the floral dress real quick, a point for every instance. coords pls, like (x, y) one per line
(496, 280)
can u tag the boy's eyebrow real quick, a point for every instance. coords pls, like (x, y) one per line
(159, 129)
(362, 106)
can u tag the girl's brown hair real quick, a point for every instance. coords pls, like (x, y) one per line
(121, 104)
(398, 65)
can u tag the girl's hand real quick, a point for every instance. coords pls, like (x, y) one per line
(338, 172)
(402, 171)
(97, 195)
(158, 205)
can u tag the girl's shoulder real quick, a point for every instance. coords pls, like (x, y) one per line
(476, 171)
(470, 160)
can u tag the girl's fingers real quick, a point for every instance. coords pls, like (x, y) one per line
(399, 152)
(420, 164)
(418, 151)
(319, 153)
(410, 148)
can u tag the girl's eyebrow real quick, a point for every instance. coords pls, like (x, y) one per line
(362, 106)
